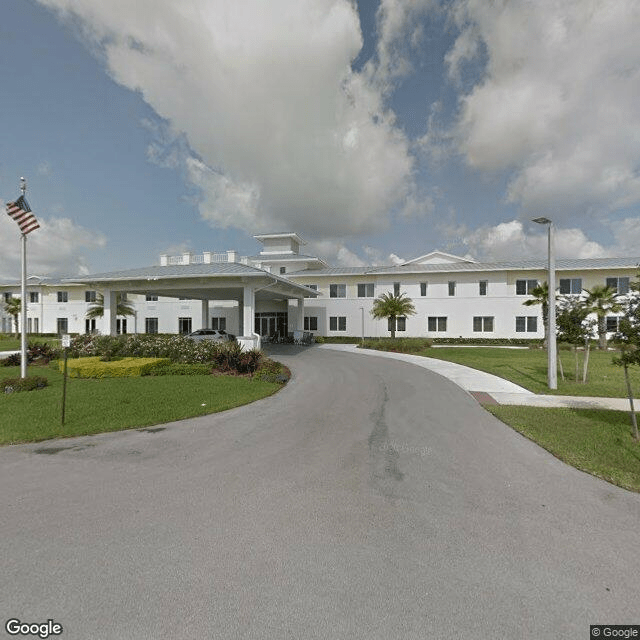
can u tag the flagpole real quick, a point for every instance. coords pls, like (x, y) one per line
(23, 336)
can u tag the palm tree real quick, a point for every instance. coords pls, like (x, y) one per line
(13, 306)
(392, 306)
(123, 308)
(601, 301)
(541, 296)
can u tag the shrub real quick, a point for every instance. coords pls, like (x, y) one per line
(94, 367)
(10, 385)
(41, 352)
(180, 369)
(226, 356)
(12, 360)
(272, 371)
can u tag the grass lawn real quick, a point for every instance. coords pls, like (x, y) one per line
(593, 440)
(112, 404)
(528, 368)
(9, 343)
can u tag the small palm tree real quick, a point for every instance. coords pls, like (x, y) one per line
(13, 306)
(601, 301)
(541, 296)
(392, 306)
(123, 308)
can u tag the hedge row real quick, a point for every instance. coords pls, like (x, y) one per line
(94, 367)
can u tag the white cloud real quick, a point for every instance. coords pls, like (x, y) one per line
(399, 35)
(284, 133)
(510, 240)
(557, 106)
(56, 248)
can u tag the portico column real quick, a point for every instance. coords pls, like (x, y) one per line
(300, 321)
(204, 324)
(110, 311)
(248, 310)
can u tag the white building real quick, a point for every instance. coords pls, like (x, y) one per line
(280, 290)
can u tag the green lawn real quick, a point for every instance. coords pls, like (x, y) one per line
(112, 404)
(593, 440)
(528, 368)
(9, 343)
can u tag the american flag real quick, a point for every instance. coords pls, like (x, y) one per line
(21, 213)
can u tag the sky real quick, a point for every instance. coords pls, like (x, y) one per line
(377, 130)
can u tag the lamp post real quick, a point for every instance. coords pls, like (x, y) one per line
(552, 363)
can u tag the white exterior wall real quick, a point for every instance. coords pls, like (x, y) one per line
(501, 303)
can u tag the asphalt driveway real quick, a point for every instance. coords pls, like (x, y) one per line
(368, 499)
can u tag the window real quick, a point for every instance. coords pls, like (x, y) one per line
(311, 286)
(310, 323)
(63, 296)
(483, 323)
(151, 298)
(337, 323)
(90, 325)
(613, 323)
(435, 323)
(396, 288)
(337, 290)
(62, 325)
(184, 325)
(283, 270)
(482, 287)
(8, 296)
(620, 285)
(452, 288)
(33, 325)
(89, 296)
(401, 323)
(525, 287)
(34, 296)
(365, 290)
(526, 323)
(219, 323)
(121, 326)
(423, 289)
(151, 325)
(570, 286)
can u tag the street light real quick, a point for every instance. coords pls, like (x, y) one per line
(552, 364)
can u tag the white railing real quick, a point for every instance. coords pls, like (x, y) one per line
(208, 257)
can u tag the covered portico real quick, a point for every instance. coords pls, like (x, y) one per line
(248, 286)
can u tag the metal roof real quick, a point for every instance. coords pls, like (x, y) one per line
(573, 264)
(174, 271)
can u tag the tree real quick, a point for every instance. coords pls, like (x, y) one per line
(541, 296)
(392, 306)
(601, 301)
(123, 308)
(628, 338)
(575, 328)
(13, 306)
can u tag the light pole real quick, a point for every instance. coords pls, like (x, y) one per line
(552, 364)
(362, 327)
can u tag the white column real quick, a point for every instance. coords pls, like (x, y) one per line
(110, 308)
(205, 315)
(248, 311)
(300, 314)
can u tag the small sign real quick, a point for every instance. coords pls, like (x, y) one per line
(66, 341)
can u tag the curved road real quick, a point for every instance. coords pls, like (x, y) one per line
(369, 499)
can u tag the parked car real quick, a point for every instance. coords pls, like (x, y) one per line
(218, 335)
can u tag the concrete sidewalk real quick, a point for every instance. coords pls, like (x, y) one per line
(487, 388)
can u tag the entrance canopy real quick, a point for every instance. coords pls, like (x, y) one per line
(218, 281)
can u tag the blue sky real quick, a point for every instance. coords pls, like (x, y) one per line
(377, 131)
